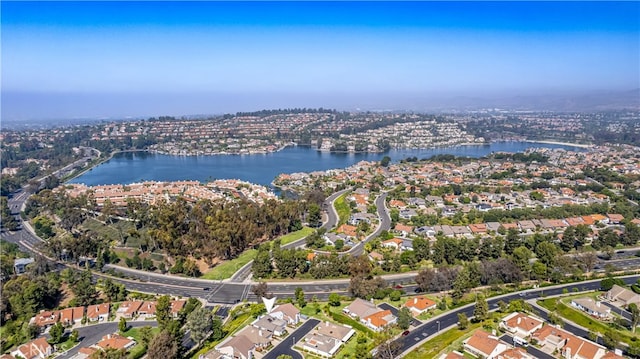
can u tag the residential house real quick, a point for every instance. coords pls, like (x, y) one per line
(129, 309)
(593, 308)
(393, 243)
(361, 308)
(349, 231)
(147, 309)
(484, 345)
(615, 218)
(7, 356)
(176, 307)
(241, 345)
(403, 229)
(71, 316)
(521, 325)
(98, 312)
(20, 264)
(287, 312)
(84, 353)
(408, 213)
(115, 341)
(452, 355)
(567, 344)
(271, 324)
(514, 353)
(578, 348)
(35, 349)
(320, 344)
(621, 296)
(45, 319)
(377, 321)
(340, 332)
(419, 305)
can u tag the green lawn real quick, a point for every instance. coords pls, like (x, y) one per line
(449, 341)
(135, 333)
(294, 236)
(594, 325)
(343, 209)
(226, 269)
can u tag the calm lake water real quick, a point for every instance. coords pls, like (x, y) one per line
(130, 167)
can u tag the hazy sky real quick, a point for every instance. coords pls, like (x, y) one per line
(102, 59)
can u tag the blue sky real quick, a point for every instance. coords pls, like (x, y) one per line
(110, 59)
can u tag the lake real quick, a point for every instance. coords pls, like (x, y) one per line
(130, 167)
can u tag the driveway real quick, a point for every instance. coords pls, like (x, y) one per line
(286, 347)
(91, 334)
(537, 353)
(415, 322)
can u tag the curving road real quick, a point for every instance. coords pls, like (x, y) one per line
(332, 220)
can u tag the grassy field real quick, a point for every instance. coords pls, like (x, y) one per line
(226, 269)
(343, 209)
(294, 236)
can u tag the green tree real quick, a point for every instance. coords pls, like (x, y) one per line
(635, 316)
(261, 266)
(217, 331)
(163, 346)
(463, 321)
(334, 299)
(163, 311)
(284, 356)
(56, 332)
(481, 309)
(84, 289)
(611, 339)
(395, 295)
(404, 318)
(299, 293)
(122, 325)
(146, 335)
(199, 323)
(385, 161)
(74, 336)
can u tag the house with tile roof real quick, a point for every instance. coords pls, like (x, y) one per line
(520, 324)
(45, 319)
(71, 316)
(360, 308)
(419, 305)
(35, 349)
(176, 307)
(98, 312)
(129, 309)
(567, 344)
(484, 345)
(514, 353)
(377, 321)
(115, 341)
(242, 345)
(84, 353)
(452, 355)
(147, 309)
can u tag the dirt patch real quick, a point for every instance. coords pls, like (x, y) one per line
(66, 295)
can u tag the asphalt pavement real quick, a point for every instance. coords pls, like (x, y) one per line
(286, 346)
(450, 318)
(537, 353)
(386, 306)
(91, 334)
